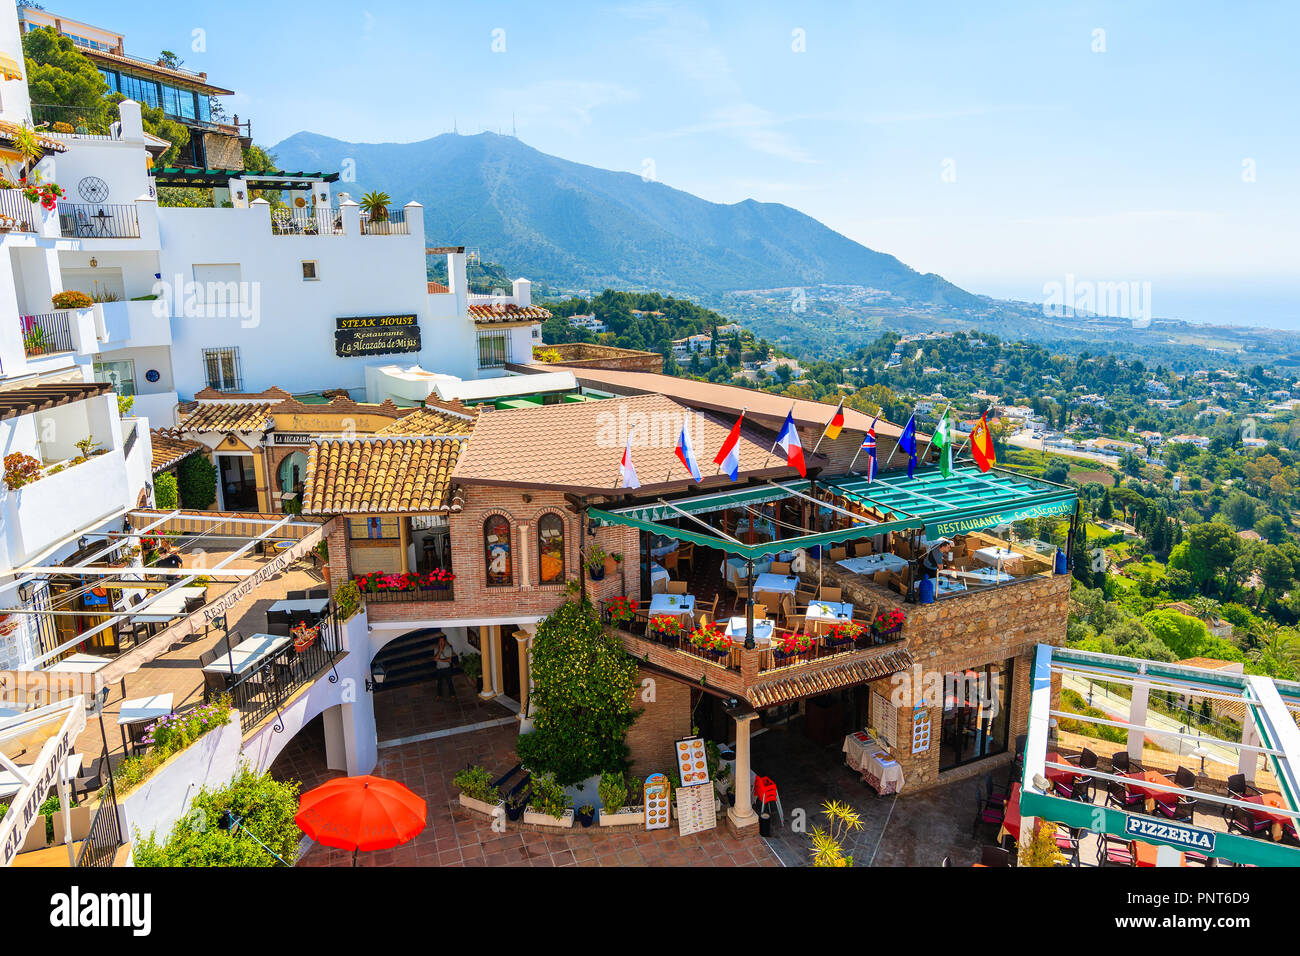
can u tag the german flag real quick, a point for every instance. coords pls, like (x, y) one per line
(981, 445)
(836, 423)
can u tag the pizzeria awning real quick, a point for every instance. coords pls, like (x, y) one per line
(965, 501)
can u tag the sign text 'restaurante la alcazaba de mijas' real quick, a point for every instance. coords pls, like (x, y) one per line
(361, 335)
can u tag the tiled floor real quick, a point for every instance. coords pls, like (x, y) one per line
(456, 837)
(415, 709)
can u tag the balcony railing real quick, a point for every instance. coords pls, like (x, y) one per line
(100, 846)
(393, 223)
(17, 212)
(73, 121)
(445, 593)
(47, 333)
(320, 221)
(262, 691)
(98, 221)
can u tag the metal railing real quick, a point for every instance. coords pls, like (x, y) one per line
(47, 333)
(17, 212)
(73, 121)
(319, 221)
(98, 221)
(100, 846)
(263, 690)
(392, 223)
(444, 593)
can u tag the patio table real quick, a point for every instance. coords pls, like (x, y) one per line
(735, 570)
(945, 584)
(823, 615)
(869, 564)
(1147, 854)
(762, 631)
(983, 576)
(1055, 775)
(1011, 815)
(872, 760)
(142, 710)
(79, 664)
(1152, 794)
(680, 606)
(663, 548)
(169, 606)
(762, 529)
(247, 653)
(1000, 558)
(1278, 820)
(9, 783)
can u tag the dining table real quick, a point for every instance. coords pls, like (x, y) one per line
(246, 654)
(167, 606)
(873, 761)
(680, 606)
(821, 616)
(79, 664)
(1057, 775)
(299, 606)
(1011, 816)
(142, 710)
(996, 557)
(658, 578)
(1138, 781)
(763, 630)
(1277, 821)
(869, 564)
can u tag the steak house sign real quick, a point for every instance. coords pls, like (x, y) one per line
(360, 335)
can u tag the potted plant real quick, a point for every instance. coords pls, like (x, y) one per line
(710, 638)
(515, 807)
(304, 635)
(71, 299)
(20, 469)
(375, 205)
(596, 562)
(888, 622)
(791, 645)
(619, 610)
(476, 789)
(844, 633)
(586, 815)
(666, 626)
(34, 340)
(612, 561)
(548, 804)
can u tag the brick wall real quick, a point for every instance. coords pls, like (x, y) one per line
(665, 719)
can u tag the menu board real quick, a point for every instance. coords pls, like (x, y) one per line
(656, 802)
(695, 810)
(376, 335)
(920, 729)
(692, 763)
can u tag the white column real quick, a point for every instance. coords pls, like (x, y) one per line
(491, 668)
(335, 738)
(65, 804)
(742, 814)
(1137, 714)
(1248, 760)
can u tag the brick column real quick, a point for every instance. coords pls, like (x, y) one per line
(337, 542)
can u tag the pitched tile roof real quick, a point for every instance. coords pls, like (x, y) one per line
(433, 420)
(48, 143)
(765, 407)
(437, 288)
(170, 449)
(807, 683)
(579, 446)
(227, 417)
(382, 476)
(502, 312)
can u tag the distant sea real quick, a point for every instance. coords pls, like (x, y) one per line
(1267, 303)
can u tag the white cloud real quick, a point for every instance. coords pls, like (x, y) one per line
(561, 104)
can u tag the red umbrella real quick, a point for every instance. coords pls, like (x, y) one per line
(360, 813)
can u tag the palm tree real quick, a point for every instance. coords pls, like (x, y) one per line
(376, 205)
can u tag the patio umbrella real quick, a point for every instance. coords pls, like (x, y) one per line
(361, 813)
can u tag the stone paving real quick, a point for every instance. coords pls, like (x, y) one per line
(414, 710)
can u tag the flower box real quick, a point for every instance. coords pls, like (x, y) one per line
(546, 820)
(481, 806)
(625, 817)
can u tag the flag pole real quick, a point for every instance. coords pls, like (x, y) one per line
(931, 441)
(838, 409)
(859, 451)
(778, 437)
(626, 447)
(718, 470)
(910, 418)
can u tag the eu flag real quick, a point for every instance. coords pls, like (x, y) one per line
(907, 442)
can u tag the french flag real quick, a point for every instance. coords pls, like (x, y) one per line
(626, 469)
(686, 451)
(728, 457)
(789, 442)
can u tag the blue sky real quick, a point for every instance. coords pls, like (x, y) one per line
(1117, 164)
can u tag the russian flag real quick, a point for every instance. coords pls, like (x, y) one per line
(686, 451)
(789, 442)
(728, 457)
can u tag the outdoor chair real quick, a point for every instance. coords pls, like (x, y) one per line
(1243, 821)
(831, 594)
(994, 795)
(1120, 797)
(1239, 788)
(318, 594)
(995, 856)
(1077, 789)
(1112, 851)
(795, 623)
(686, 555)
(297, 595)
(1184, 809)
(1067, 841)
(839, 553)
(1087, 759)
(1121, 762)
(675, 587)
(780, 567)
(765, 792)
(709, 610)
(985, 815)
(805, 592)
(861, 549)
(91, 780)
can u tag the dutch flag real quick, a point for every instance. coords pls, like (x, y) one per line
(686, 451)
(789, 442)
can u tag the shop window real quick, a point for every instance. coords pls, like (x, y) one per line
(976, 714)
(550, 549)
(496, 551)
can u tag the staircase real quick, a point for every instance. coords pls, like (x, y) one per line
(407, 660)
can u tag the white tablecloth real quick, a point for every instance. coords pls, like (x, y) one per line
(998, 556)
(871, 563)
(168, 606)
(736, 570)
(310, 605)
(79, 664)
(681, 606)
(776, 583)
(944, 584)
(762, 631)
(247, 653)
(983, 576)
(823, 615)
(144, 708)
(870, 758)
(658, 578)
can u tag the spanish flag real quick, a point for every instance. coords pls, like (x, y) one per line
(981, 445)
(836, 423)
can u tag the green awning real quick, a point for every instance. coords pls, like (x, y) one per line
(965, 501)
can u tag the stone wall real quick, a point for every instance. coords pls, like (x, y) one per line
(590, 355)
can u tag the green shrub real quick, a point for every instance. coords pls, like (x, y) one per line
(347, 599)
(476, 783)
(547, 796)
(264, 806)
(164, 491)
(612, 791)
(196, 479)
(1073, 701)
(170, 735)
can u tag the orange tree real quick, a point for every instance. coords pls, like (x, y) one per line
(583, 682)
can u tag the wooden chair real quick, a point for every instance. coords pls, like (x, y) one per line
(675, 587)
(805, 591)
(686, 556)
(795, 623)
(861, 549)
(780, 567)
(839, 553)
(831, 594)
(706, 612)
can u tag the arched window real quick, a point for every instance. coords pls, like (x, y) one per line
(496, 551)
(550, 549)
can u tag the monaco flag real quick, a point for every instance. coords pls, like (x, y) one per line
(686, 451)
(789, 442)
(626, 471)
(728, 457)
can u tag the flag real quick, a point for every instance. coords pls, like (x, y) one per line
(790, 444)
(685, 450)
(869, 446)
(907, 442)
(626, 471)
(981, 445)
(728, 457)
(942, 440)
(836, 423)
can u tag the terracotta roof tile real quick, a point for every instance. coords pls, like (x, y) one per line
(432, 420)
(227, 417)
(808, 683)
(437, 288)
(170, 449)
(389, 476)
(495, 312)
(579, 446)
(48, 143)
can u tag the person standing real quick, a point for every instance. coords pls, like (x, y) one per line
(443, 659)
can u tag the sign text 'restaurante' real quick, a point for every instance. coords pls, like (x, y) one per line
(376, 335)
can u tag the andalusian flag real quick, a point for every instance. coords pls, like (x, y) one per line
(981, 445)
(943, 441)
